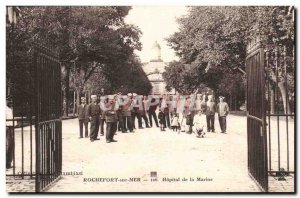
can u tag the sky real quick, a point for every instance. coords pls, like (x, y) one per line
(156, 23)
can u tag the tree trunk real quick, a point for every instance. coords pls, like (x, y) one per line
(272, 100)
(284, 96)
(66, 90)
(74, 103)
(231, 101)
(78, 99)
(236, 103)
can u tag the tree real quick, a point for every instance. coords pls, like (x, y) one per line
(88, 40)
(211, 43)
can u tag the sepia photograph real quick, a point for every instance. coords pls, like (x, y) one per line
(150, 99)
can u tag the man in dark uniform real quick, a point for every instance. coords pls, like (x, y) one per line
(93, 114)
(210, 114)
(120, 112)
(142, 111)
(102, 114)
(151, 112)
(167, 111)
(82, 117)
(111, 119)
(128, 125)
(136, 100)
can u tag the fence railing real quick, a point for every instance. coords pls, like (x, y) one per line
(280, 90)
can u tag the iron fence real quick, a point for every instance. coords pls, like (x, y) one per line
(280, 110)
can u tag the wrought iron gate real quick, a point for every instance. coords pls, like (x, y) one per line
(49, 111)
(256, 116)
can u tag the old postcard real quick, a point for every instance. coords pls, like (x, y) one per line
(150, 99)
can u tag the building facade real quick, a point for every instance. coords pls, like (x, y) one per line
(154, 69)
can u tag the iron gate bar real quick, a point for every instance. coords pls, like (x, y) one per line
(269, 112)
(286, 105)
(37, 110)
(255, 118)
(277, 108)
(270, 109)
(22, 137)
(25, 175)
(14, 135)
(280, 115)
(281, 172)
(30, 124)
(49, 121)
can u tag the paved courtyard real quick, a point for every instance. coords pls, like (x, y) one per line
(220, 160)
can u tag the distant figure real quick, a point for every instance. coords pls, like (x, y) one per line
(223, 110)
(162, 120)
(102, 92)
(175, 123)
(210, 114)
(10, 143)
(111, 119)
(198, 103)
(102, 114)
(120, 112)
(189, 122)
(128, 122)
(151, 113)
(143, 112)
(203, 104)
(135, 111)
(167, 111)
(83, 118)
(93, 113)
(199, 124)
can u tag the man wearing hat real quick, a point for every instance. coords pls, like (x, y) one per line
(102, 114)
(83, 118)
(111, 119)
(152, 108)
(223, 110)
(93, 113)
(119, 107)
(210, 114)
(136, 100)
(127, 119)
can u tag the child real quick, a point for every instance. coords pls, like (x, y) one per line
(199, 123)
(175, 122)
(162, 120)
(189, 122)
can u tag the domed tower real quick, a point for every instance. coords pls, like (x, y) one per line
(156, 53)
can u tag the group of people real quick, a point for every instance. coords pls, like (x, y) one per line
(198, 116)
(180, 113)
(117, 112)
